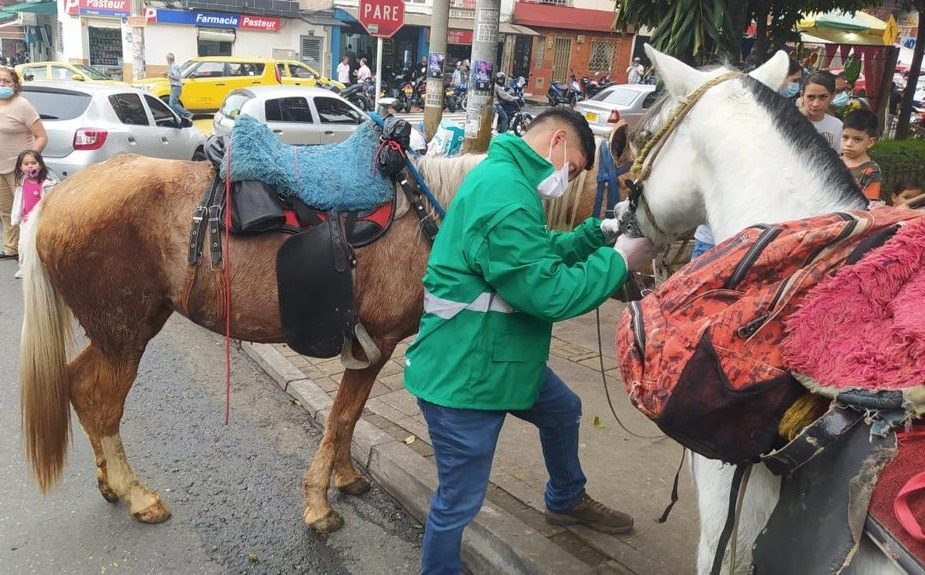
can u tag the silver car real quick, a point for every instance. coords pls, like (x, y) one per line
(628, 102)
(88, 123)
(299, 115)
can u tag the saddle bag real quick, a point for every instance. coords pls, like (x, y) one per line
(255, 208)
(701, 356)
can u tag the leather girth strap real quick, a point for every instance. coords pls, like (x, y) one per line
(413, 193)
(207, 215)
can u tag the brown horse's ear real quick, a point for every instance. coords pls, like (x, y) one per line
(619, 140)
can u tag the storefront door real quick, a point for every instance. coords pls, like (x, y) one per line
(105, 47)
(523, 48)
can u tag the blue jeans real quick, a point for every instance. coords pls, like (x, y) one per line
(700, 248)
(464, 443)
(503, 118)
(174, 102)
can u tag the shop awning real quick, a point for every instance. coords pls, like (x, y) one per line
(35, 7)
(859, 29)
(322, 18)
(563, 17)
(508, 28)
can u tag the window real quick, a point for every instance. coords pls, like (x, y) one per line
(293, 109)
(163, 117)
(129, 109)
(36, 72)
(618, 96)
(57, 105)
(301, 71)
(231, 108)
(601, 56)
(334, 111)
(651, 99)
(245, 69)
(62, 73)
(281, 70)
(207, 70)
(311, 50)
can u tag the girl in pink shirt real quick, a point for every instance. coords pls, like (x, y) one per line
(32, 183)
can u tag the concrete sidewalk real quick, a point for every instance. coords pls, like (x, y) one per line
(510, 535)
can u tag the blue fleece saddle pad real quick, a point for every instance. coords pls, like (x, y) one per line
(329, 177)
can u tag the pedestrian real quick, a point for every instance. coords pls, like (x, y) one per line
(791, 87)
(635, 71)
(457, 79)
(815, 99)
(363, 72)
(495, 282)
(32, 184)
(859, 134)
(343, 71)
(22, 129)
(176, 87)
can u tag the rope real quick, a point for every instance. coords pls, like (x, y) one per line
(600, 356)
(641, 169)
(227, 284)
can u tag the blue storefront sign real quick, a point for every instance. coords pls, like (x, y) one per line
(214, 19)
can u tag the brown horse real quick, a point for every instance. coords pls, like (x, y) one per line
(109, 246)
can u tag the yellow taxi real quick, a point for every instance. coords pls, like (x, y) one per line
(64, 71)
(208, 79)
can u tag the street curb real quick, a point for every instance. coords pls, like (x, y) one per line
(495, 542)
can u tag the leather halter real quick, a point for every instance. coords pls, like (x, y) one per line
(642, 166)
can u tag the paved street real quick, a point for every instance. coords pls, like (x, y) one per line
(235, 491)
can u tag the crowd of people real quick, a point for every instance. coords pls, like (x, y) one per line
(16, 59)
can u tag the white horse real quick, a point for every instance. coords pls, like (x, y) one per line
(742, 155)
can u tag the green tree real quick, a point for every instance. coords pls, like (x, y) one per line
(905, 110)
(698, 30)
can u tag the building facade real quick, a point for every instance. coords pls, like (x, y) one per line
(575, 37)
(99, 33)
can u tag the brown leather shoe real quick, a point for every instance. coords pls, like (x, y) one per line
(595, 515)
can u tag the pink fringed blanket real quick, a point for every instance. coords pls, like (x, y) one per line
(865, 327)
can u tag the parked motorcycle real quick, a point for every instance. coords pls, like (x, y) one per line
(564, 93)
(358, 94)
(592, 86)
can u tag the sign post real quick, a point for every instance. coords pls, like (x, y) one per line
(382, 19)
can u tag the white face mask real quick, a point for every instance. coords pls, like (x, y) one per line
(556, 183)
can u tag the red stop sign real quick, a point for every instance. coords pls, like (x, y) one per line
(382, 18)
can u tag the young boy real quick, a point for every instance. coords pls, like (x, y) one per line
(859, 134)
(814, 102)
(909, 193)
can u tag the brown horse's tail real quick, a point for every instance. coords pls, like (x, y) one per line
(47, 330)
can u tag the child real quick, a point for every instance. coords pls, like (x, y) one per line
(908, 192)
(859, 134)
(32, 183)
(814, 102)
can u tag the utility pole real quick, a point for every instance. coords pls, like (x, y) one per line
(479, 108)
(433, 104)
(137, 21)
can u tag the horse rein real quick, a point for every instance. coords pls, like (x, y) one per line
(642, 166)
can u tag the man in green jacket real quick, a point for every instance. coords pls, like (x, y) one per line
(496, 281)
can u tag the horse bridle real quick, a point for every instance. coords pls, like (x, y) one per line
(642, 166)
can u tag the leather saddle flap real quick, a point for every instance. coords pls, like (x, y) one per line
(315, 283)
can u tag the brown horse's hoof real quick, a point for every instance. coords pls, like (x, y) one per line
(107, 492)
(358, 486)
(155, 513)
(328, 524)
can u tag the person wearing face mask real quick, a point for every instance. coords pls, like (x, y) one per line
(20, 129)
(495, 282)
(791, 86)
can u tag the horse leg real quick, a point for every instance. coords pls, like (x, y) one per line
(100, 383)
(713, 481)
(334, 450)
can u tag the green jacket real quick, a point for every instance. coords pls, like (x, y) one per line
(495, 283)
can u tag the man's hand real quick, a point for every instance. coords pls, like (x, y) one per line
(611, 229)
(636, 252)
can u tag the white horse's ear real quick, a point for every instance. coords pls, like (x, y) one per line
(679, 78)
(773, 72)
